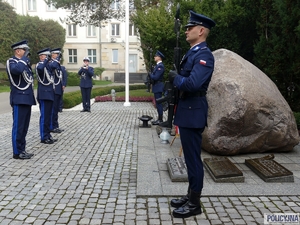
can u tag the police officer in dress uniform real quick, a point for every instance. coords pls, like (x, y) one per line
(64, 83)
(86, 72)
(196, 69)
(58, 88)
(21, 97)
(45, 94)
(158, 86)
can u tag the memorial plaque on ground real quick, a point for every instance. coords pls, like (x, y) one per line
(177, 169)
(223, 170)
(269, 170)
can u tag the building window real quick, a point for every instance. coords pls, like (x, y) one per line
(132, 31)
(31, 5)
(51, 7)
(72, 30)
(115, 56)
(114, 5)
(72, 55)
(92, 55)
(115, 29)
(91, 31)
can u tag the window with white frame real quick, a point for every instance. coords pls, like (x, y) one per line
(72, 30)
(92, 55)
(115, 56)
(51, 7)
(114, 5)
(31, 5)
(72, 55)
(132, 31)
(115, 29)
(91, 31)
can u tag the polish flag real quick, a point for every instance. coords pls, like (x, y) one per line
(202, 62)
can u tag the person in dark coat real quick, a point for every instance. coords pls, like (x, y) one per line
(58, 88)
(157, 85)
(45, 94)
(196, 69)
(64, 84)
(86, 72)
(21, 97)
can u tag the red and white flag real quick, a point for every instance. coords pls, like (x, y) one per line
(202, 62)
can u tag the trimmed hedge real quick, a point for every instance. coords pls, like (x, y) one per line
(72, 99)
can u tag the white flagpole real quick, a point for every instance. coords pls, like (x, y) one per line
(126, 103)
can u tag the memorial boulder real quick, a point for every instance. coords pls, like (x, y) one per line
(247, 113)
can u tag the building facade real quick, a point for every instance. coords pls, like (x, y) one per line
(105, 45)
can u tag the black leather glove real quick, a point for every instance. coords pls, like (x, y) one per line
(172, 75)
(49, 57)
(27, 53)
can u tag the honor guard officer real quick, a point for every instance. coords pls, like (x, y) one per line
(196, 69)
(58, 88)
(86, 73)
(64, 83)
(45, 94)
(21, 97)
(158, 86)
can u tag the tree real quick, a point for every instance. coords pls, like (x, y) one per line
(278, 49)
(40, 34)
(8, 27)
(91, 12)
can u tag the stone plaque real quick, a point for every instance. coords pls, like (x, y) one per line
(269, 170)
(223, 170)
(177, 169)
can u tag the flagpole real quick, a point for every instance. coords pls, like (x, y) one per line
(126, 103)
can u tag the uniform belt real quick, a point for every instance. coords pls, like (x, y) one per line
(156, 82)
(193, 94)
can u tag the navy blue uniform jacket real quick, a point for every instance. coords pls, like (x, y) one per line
(45, 90)
(196, 69)
(15, 67)
(54, 65)
(157, 76)
(86, 77)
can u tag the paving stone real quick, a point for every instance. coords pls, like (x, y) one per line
(93, 179)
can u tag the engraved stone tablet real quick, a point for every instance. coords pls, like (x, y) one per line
(269, 170)
(223, 170)
(177, 169)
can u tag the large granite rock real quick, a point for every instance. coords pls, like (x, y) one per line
(247, 113)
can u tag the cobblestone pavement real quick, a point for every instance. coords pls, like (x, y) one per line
(90, 177)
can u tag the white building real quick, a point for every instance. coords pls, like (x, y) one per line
(104, 46)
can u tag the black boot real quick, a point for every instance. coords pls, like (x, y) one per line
(191, 208)
(181, 201)
(158, 121)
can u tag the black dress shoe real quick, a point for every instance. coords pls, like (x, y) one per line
(29, 154)
(179, 202)
(157, 122)
(47, 141)
(23, 155)
(56, 130)
(187, 210)
(88, 110)
(52, 139)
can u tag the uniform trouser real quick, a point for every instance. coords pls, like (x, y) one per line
(21, 119)
(54, 116)
(86, 98)
(45, 118)
(191, 140)
(61, 102)
(159, 107)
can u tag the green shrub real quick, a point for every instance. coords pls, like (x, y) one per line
(74, 79)
(297, 117)
(72, 99)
